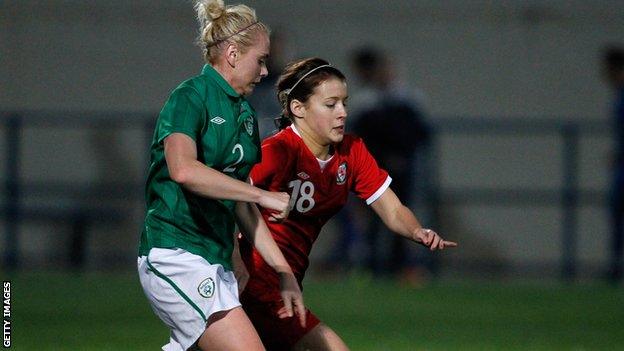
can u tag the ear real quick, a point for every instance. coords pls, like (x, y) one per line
(297, 108)
(231, 54)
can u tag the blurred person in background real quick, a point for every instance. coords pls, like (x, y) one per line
(313, 159)
(389, 116)
(205, 143)
(263, 99)
(613, 65)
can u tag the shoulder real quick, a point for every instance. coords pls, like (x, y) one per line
(355, 150)
(199, 83)
(204, 86)
(350, 144)
(184, 98)
(282, 143)
(192, 88)
(284, 137)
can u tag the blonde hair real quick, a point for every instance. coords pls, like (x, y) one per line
(219, 24)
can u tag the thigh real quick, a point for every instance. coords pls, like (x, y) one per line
(230, 330)
(321, 338)
(277, 334)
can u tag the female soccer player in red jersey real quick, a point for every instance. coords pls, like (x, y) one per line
(313, 160)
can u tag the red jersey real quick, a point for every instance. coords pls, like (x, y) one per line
(318, 190)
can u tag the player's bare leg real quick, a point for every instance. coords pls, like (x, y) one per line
(321, 338)
(230, 330)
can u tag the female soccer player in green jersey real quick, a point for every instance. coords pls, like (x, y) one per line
(205, 143)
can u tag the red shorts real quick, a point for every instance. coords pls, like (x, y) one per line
(277, 334)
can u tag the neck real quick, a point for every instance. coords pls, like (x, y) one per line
(226, 72)
(318, 149)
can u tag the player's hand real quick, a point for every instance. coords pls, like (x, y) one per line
(279, 203)
(431, 239)
(292, 297)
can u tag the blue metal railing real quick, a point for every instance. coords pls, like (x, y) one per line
(569, 197)
(81, 216)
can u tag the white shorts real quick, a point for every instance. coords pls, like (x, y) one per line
(184, 290)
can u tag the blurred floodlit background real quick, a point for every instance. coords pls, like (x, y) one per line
(516, 170)
(520, 114)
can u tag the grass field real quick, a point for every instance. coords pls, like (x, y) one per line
(102, 311)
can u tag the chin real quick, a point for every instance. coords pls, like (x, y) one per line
(337, 138)
(248, 90)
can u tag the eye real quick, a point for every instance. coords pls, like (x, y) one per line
(330, 105)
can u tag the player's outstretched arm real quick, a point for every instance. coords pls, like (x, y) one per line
(402, 221)
(254, 228)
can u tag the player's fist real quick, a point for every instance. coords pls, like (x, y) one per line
(278, 202)
(431, 239)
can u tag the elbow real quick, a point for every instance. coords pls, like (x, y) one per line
(180, 175)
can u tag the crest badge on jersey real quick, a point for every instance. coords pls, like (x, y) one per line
(206, 288)
(249, 125)
(341, 175)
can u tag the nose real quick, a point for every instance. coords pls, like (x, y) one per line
(264, 71)
(342, 111)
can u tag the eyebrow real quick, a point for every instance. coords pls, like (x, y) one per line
(336, 98)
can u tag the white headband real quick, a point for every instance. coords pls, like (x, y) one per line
(287, 91)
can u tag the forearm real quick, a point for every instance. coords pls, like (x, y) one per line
(396, 216)
(254, 228)
(252, 225)
(240, 270)
(237, 260)
(209, 182)
(402, 221)
(186, 170)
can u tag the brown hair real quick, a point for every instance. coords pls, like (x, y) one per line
(297, 82)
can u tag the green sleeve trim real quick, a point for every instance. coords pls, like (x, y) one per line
(177, 289)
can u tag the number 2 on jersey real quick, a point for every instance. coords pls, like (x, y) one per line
(232, 167)
(301, 196)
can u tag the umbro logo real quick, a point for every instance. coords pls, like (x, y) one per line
(303, 175)
(217, 120)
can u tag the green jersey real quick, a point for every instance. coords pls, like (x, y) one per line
(224, 127)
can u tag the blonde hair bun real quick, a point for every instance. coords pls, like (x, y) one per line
(209, 10)
(220, 24)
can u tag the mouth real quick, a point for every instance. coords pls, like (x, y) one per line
(339, 129)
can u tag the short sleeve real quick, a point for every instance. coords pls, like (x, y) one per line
(184, 112)
(274, 156)
(370, 180)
